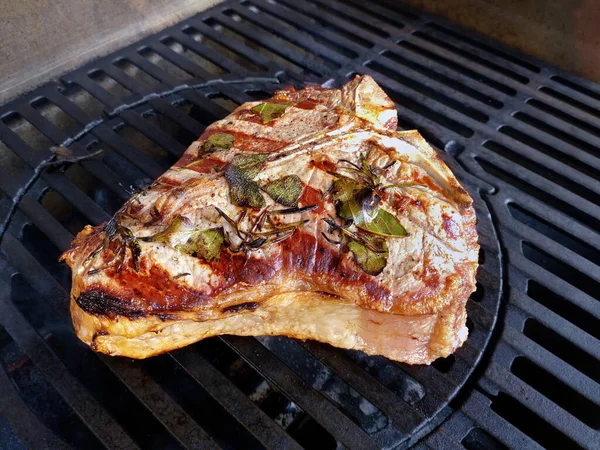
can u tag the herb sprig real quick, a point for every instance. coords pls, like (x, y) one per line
(370, 252)
(184, 237)
(357, 192)
(124, 238)
(358, 197)
(261, 230)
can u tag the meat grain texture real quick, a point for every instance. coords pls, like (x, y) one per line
(138, 295)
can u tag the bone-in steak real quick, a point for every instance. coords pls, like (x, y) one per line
(307, 215)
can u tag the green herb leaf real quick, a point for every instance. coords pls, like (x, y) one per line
(372, 260)
(270, 111)
(206, 243)
(344, 189)
(369, 202)
(286, 190)
(243, 191)
(180, 229)
(247, 195)
(239, 174)
(249, 165)
(217, 141)
(384, 224)
(360, 207)
(377, 220)
(351, 210)
(184, 237)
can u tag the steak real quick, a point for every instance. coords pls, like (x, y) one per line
(306, 215)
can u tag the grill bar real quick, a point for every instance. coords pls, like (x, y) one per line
(234, 400)
(109, 432)
(366, 384)
(309, 400)
(27, 426)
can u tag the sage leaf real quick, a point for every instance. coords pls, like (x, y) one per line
(243, 191)
(185, 238)
(179, 230)
(286, 190)
(249, 165)
(239, 174)
(206, 244)
(344, 189)
(371, 258)
(270, 111)
(217, 141)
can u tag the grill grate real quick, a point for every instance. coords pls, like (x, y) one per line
(523, 138)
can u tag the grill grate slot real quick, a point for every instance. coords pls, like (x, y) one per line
(530, 423)
(452, 83)
(502, 55)
(533, 166)
(349, 14)
(570, 101)
(565, 137)
(424, 107)
(290, 20)
(442, 41)
(478, 439)
(558, 392)
(429, 91)
(22, 129)
(561, 206)
(555, 233)
(577, 87)
(561, 306)
(462, 69)
(585, 283)
(341, 32)
(109, 85)
(562, 348)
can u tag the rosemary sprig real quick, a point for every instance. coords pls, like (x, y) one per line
(261, 230)
(365, 175)
(295, 210)
(124, 238)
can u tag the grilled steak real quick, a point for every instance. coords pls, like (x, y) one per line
(307, 215)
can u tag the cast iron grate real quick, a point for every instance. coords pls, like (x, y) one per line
(523, 138)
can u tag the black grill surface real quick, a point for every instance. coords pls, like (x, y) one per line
(522, 137)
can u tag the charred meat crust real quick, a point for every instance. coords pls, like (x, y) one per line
(248, 306)
(154, 292)
(99, 303)
(97, 334)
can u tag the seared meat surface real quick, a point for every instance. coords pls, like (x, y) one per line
(306, 215)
